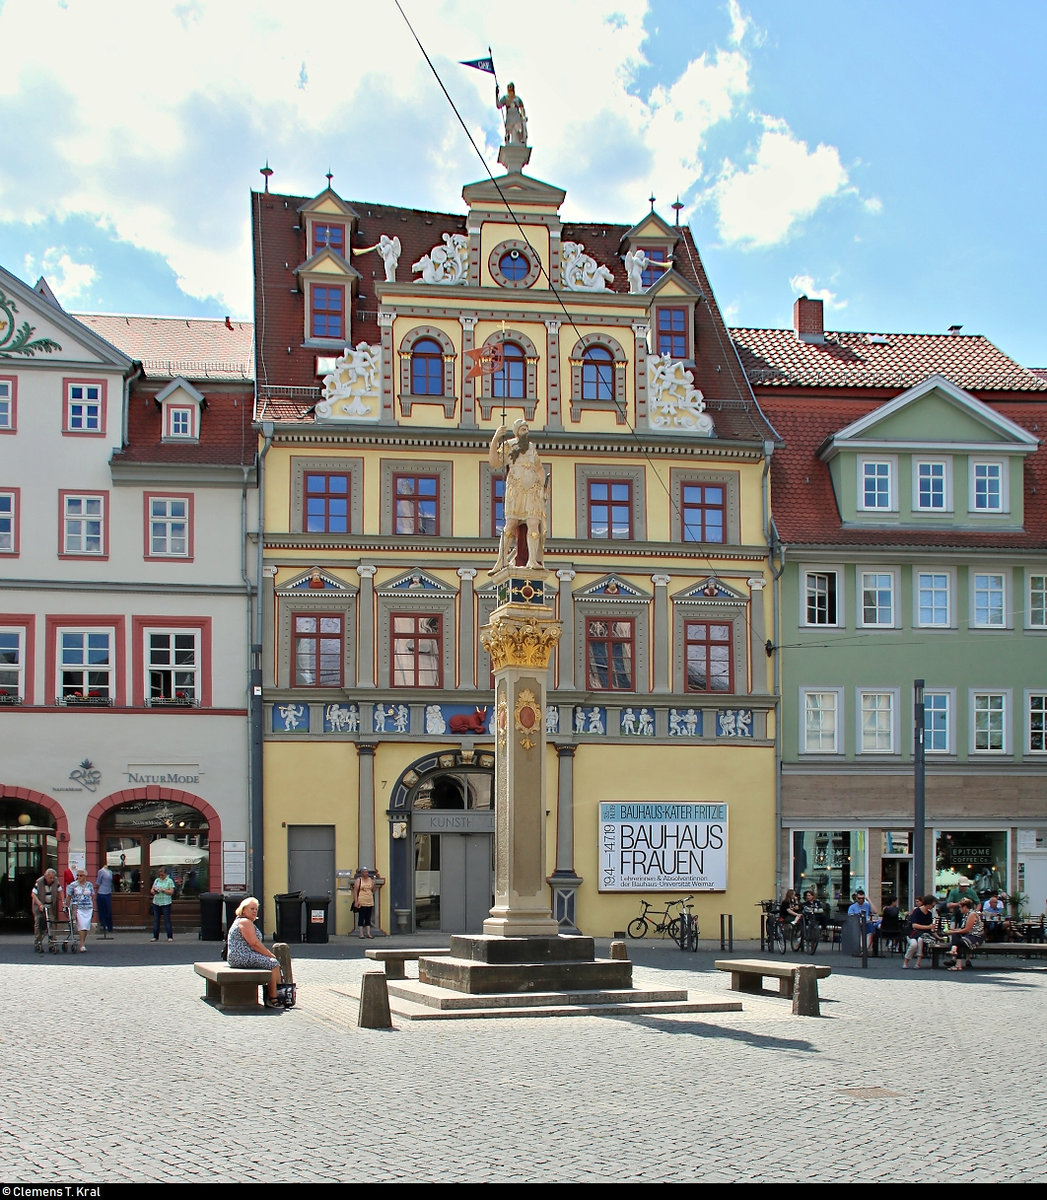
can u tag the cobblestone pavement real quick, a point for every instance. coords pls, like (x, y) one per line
(182, 1093)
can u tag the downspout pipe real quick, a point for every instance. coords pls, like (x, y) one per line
(257, 872)
(774, 548)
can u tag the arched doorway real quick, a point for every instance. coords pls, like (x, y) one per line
(30, 824)
(136, 834)
(442, 829)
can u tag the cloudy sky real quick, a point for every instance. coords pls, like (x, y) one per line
(885, 155)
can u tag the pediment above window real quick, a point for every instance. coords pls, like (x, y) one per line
(613, 588)
(415, 582)
(315, 582)
(710, 589)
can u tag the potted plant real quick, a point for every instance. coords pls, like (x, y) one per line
(1018, 902)
(91, 699)
(178, 700)
(9, 697)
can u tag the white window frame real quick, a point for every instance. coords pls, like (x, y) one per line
(890, 574)
(109, 669)
(876, 717)
(975, 465)
(167, 520)
(193, 690)
(890, 462)
(92, 404)
(949, 575)
(932, 704)
(174, 413)
(7, 405)
(1036, 697)
(17, 668)
(70, 520)
(9, 538)
(1036, 599)
(978, 589)
(946, 506)
(805, 574)
(835, 708)
(985, 701)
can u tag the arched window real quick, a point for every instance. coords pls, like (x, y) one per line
(508, 382)
(597, 374)
(427, 368)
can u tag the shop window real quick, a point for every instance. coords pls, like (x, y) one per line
(980, 856)
(831, 863)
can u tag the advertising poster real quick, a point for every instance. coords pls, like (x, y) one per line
(665, 846)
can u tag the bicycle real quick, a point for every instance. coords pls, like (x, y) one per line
(688, 938)
(805, 933)
(649, 916)
(774, 927)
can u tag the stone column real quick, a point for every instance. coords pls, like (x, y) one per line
(389, 367)
(466, 629)
(365, 624)
(554, 410)
(470, 387)
(566, 651)
(757, 635)
(520, 638)
(564, 881)
(662, 639)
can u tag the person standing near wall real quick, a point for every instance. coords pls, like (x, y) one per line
(162, 892)
(104, 898)
(363, 901)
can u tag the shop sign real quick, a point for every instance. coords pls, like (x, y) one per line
(663, 847)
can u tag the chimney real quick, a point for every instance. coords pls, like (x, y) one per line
(807, 320)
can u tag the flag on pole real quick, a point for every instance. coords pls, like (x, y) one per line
(481, 64)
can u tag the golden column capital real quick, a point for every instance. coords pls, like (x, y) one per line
(520, 642)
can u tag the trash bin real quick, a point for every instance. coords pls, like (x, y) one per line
(289, 916)
(851, 935)
(211, 917)
(316, 908)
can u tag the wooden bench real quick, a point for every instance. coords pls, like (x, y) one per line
(393, 961)
(994, 950)
(232, 987)
(748, 974)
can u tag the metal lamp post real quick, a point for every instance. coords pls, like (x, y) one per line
(919, 818)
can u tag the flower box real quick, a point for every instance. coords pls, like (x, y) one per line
(10, 698)
(173, 702)
(80, 701)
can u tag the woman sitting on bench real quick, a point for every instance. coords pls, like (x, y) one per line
(245, 948)
(970, 934)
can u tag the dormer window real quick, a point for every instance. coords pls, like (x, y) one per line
(653, 274)
(326, 311)
(180, 407)
(181, 422)
(329, 237)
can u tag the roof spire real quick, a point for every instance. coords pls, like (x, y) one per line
(330, 176)
(677, 205)
(267, 170)
(652, 199)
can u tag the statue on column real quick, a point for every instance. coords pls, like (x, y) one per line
(525, 494)
(515, 116)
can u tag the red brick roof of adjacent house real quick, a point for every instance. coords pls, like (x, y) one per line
(287, 382)
(195, 348)
(804, 504)
(777, 358)
(215, 357)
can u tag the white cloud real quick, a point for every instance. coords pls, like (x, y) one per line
(761, 204)
(68, 280)
(804, 285)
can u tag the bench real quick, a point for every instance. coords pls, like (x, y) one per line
(393, 960)
(994, 949)
(747, 975)
(232, 987)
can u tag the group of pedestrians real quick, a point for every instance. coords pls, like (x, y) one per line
(957, 924)
(81, 901)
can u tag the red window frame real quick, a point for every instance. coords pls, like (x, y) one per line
(703, 513)
(190, 411)
(15, 495)
(69, 387)
(326, 318)
(671, 327)
(651, 275)
(70, 493)
(321, 640)
(510, 380)
(416, 504)
(597, 374)
(75, 623)
(427, 368)
(610, 654)
(323, 502)
(708, 657)
(10, 386)
(25, 625)
(322, 231)
(606, 507)
(407, 631)
(141, 627)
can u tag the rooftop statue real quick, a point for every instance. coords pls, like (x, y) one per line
(515, 116)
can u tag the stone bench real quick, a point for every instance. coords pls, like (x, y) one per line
(393, 961)
(232, 987)
(747, 975)
(993, 949)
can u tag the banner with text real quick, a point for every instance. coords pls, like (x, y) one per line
(660, 847)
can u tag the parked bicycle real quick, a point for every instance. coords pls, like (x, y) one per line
(803, 934)
(688, 936)
(661, 920)
(806, 933)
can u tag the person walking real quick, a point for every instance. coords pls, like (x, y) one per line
(104, 899)
(46, 892)
(363, 901)
(80, 901)
(162, 892)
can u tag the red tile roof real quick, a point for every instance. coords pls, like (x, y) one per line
(193, 347)
(804, 504)
(776, 358)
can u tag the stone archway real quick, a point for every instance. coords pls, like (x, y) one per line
(27, 848)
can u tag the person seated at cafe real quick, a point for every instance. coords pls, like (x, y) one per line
(891, 928)
(994, 912)
(963, 887)
(789, 909)
(921, 931)
(862, 907)
(812, 905)
(970, 934)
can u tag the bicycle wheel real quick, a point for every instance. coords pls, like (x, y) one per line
(776, 941)
(796, 936)
(810, 937)
(637, 928)
(694, 935)
(673, 929)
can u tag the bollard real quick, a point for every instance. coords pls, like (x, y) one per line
(805, 992)
(374, 1002)
(727, 942)
(619, 950)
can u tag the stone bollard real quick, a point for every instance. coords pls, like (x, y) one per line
(620, 951)
(805, 992)
(374, 1002)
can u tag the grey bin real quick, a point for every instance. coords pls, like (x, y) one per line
(289, 916)
(211, 917)
(316, 910)
(851, 935)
